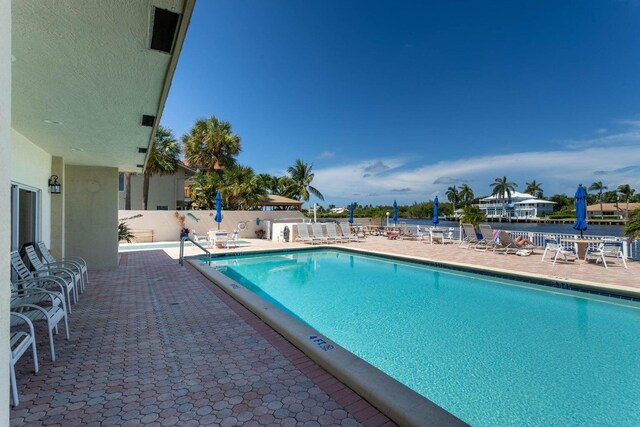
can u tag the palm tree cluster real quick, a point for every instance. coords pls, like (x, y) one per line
(211, 148)
(463, 196)
(622, 193)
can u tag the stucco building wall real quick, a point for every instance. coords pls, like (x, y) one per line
(91, 199)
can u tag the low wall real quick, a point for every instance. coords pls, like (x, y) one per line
(166, 227)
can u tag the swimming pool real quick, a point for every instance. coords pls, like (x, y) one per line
(491, 351)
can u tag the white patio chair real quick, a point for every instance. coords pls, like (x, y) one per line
(49, 260)
(39, 266)
(553, 247)
(470, 236)
(52, 311)
(437, 236)
(345, 227)
(318, 233)
(65, 279)
(19, 343)
(608, 249)
(487, 242)
(303, 234)
(200, 239)
(332, 233)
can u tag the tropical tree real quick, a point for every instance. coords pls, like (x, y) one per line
(466, 194)
(534, 188)
(241, 188)
(626, 192)
(211, 144)
(162, 159)
(599, 187)
(503, 188)
(472, 215)
(632, 227)
(301, 175)
(453, 196)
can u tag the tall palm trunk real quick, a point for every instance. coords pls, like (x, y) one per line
(127, 191)
(601, 213)
(145, 190)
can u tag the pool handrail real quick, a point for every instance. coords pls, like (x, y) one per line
(205, 250)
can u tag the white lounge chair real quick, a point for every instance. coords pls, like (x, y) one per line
(487, 241)
(19, 343)
(63, 278)
(470, 236)
(39, 266)
(346, 232)
(332, 233)
(553, 247)
(303, 234)
(318, 233)
(52, 311)
(506, 244)
(608, 249)
(49, 260)
(200, 239)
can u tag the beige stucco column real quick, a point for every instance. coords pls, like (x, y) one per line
(5, 214)
(91, 214)
(57, 210)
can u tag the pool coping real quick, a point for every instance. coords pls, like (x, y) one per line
(397, 401)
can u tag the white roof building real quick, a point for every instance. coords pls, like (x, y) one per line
(519, 205)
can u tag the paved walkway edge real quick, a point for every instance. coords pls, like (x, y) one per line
(395, 400)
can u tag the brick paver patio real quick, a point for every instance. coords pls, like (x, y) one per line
(154, 343)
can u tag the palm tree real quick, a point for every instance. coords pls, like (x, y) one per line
(211, 144)
(534, 189)
(302, 177)
(599, 187)
(162, 159)
(632, 227)
(503, 188)
(453, 196)
(466, 194)
(626, 192)
(241, 188)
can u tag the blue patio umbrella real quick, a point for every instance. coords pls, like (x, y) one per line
(218, 217)
(581, 210)
(435, 220)
(351, 213)
(395, 212)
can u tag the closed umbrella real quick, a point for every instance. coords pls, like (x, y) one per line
(581, 210)
(351, 213)
(395, 212)
(435, 220)
(218, 217)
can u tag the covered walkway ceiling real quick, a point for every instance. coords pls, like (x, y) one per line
(84, 75)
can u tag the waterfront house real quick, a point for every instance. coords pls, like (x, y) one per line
(520, 205)
(610, 210)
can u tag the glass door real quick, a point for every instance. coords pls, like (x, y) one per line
(25, 215)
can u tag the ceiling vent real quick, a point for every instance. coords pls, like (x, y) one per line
(148, 120)
(163, 33)
(142, 150)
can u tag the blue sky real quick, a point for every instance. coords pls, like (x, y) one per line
(400, 100)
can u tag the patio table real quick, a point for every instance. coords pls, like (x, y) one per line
(581, 246)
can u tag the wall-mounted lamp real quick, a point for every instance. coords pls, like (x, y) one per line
(54, 186)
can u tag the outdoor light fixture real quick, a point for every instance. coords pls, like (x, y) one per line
(387, 219)
(54, 186)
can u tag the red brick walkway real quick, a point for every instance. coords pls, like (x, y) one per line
(154, 343)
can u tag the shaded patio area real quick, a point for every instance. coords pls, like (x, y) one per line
(157, 344)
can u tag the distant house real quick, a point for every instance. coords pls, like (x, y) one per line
(618, 210)
(166, 192)
(521, 205)
(280, 203)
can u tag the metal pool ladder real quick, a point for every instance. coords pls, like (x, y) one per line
(205, 250)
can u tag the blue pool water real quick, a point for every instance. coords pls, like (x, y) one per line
(493, 352)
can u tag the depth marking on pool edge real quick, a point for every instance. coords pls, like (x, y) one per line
(320, 343)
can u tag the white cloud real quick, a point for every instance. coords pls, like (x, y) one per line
(559, 171)
(326, 155)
